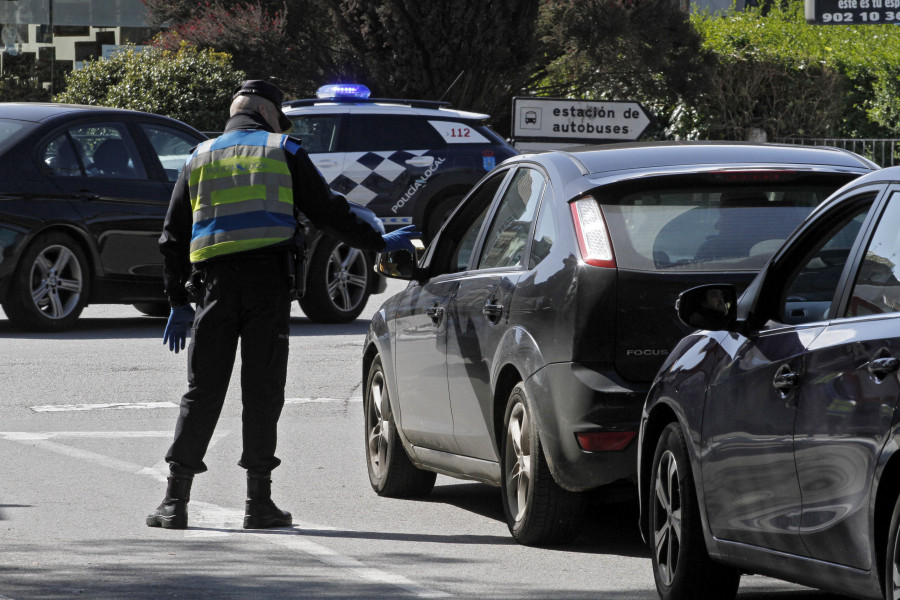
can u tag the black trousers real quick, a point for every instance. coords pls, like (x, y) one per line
(246, 299)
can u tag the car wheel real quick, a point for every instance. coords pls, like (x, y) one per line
(50, 286)
(892, 566)
(391, 473)
(538, 511)
(682, 567)
(153, 309)
(338, 282)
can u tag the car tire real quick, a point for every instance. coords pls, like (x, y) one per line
(153, 309)
(391, 472)
(538, 511)
(50, 286)
(338, 282)
(891, 570)
(682, 567)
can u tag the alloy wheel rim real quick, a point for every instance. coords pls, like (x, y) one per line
(667, 523)
(56, 282)
(377, 430)
(346, 277)
(518, 462)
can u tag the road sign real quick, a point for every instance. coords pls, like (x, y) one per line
(852, 12)
(581, 121)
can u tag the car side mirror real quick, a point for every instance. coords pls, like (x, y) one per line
(400, 264)
(711, 306)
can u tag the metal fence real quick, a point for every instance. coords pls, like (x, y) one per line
(881, 151)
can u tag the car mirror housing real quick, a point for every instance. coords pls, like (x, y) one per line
(400, 264)
(712, 307)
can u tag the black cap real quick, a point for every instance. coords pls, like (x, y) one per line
(269, 91)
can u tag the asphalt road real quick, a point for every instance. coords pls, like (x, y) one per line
(87, 415)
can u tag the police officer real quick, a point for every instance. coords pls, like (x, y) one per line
(230, 224)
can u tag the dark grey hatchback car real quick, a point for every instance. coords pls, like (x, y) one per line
(769, 442)
(522, 350)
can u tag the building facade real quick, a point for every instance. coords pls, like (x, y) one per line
(45, 39)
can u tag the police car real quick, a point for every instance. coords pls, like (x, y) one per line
(408, 161)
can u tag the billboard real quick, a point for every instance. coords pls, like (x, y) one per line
(852, 12)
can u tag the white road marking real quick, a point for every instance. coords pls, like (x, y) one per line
(319, 400)
(20, 436)
(86, 455)
(210, 520)
(153, 405)
(216, 521)
(108, 406)
(43, 440)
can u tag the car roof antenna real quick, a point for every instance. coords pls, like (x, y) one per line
(447, 91)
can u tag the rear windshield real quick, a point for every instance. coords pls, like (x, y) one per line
(714, 227)
(11, 131)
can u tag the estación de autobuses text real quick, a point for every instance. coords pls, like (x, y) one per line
(599, 113)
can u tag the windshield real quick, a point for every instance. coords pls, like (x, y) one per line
(11, 131)
(707, 228)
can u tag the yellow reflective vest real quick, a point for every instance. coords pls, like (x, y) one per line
(241, 194)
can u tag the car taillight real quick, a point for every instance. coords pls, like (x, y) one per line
(593, 238)
(604, 441)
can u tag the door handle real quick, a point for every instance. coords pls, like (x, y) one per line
(420, 161)
(881, 367)
(326, 164)
(785, 380)
(493, 310)
(86, 195)
(436, 313)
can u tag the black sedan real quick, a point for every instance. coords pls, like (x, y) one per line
(522, 350)
(83, 194)
(769, 442)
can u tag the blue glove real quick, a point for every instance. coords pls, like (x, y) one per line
(176, 329)
(401, 239)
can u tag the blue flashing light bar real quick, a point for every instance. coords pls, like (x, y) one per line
(343, 90)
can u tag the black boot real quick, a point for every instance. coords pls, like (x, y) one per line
(260, 512)
(172, 513)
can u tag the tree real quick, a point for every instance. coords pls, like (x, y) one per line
(21, 82)
(644, 50)
(814, 81)
(475, 53)
(288, 42)
(194, 86)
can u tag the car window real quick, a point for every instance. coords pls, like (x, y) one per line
(106, 150)
(65, 157)
(317, 133)
(810, 290)
(452, 249)
(11, 131)
(172, 147)
(467, 244)
(877, 288)
(544, 233)
(511, 226)
(389, 132)
(692, 225)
